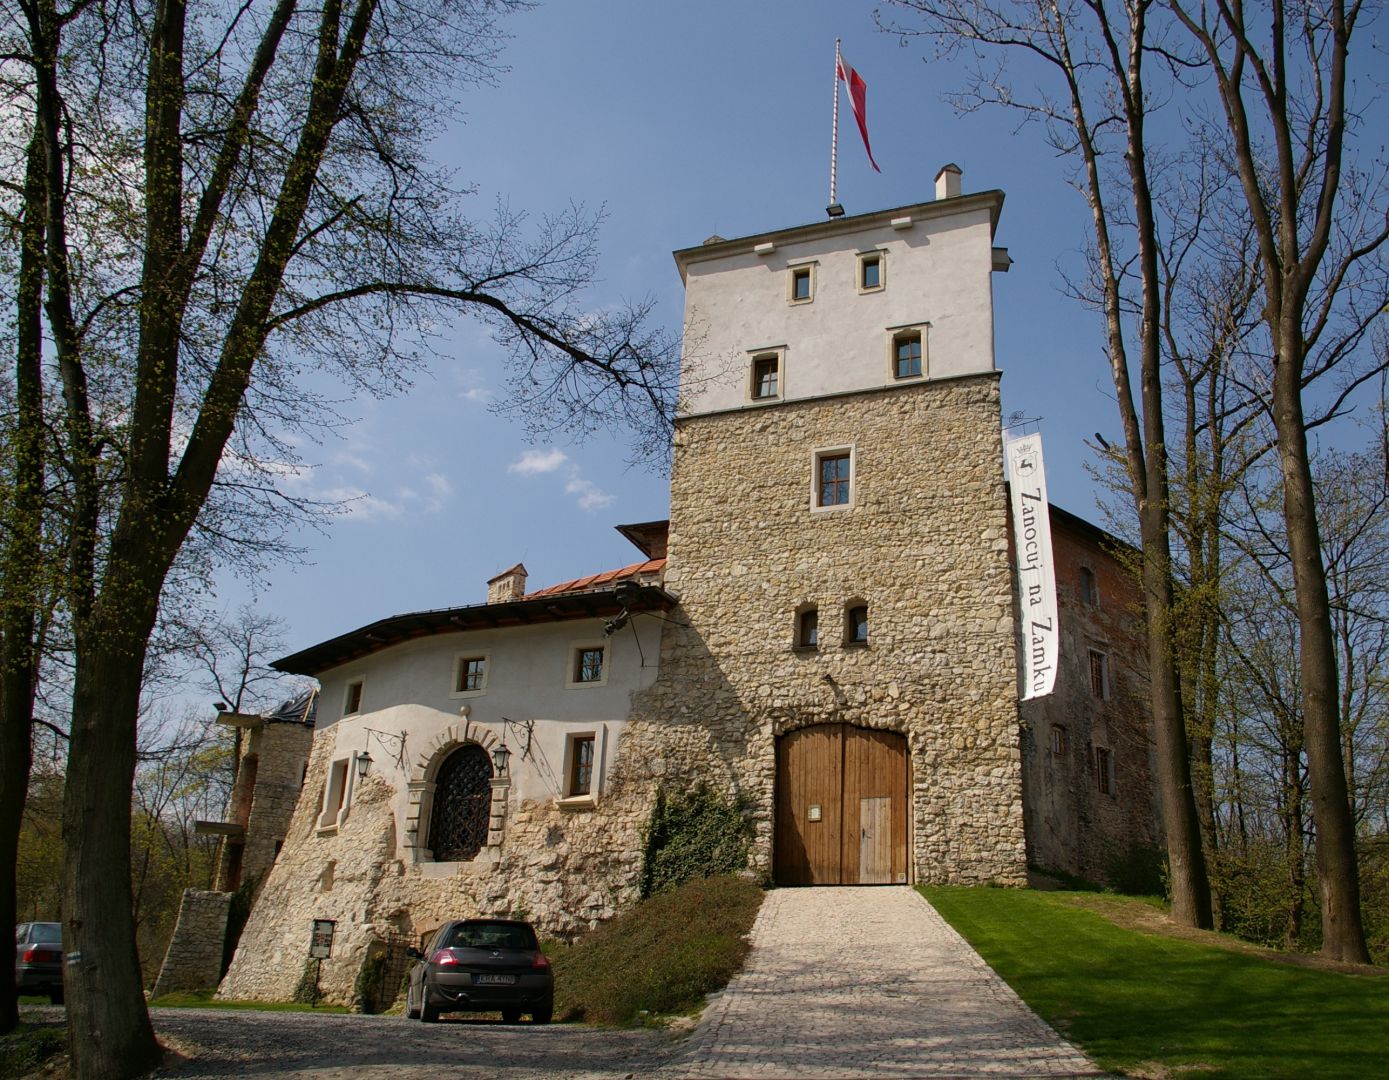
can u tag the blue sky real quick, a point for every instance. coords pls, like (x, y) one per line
(684, 120)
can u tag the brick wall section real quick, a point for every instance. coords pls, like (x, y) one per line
(925, 546)
(283, 749)
(1071, 825)
(194, 957)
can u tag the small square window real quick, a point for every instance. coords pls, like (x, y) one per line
(581, 765)
(1099, 675)
(352, 702)
(870, 271)
(856, 625)
(833, 478)
(906, 355)
(765, 372)
(470, 674)
(808, 629)
(588, 664)
(802, 284)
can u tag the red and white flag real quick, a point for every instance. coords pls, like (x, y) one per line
(858, 99)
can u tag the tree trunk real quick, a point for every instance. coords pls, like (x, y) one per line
(109, 1032)
(1191, 893)
(1343, 935)
(20, 588)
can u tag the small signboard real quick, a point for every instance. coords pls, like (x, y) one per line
(321, 943)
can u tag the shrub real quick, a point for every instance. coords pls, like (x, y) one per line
(29, 1048)
(692, 834)
(1138, 870)
(661, 956)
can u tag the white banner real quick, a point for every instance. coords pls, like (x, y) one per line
(1039, 631)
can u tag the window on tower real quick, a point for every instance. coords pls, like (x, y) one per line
(802, 284)
(870, 271)
(833, 470)
(907, 354)
(766, 372)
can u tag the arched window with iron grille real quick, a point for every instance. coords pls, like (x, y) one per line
(462, 805)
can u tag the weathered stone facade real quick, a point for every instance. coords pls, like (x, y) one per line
(924, 546)
(567, 870)
(1077, 821)
(193, 960)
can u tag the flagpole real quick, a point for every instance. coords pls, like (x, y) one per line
(834, 129)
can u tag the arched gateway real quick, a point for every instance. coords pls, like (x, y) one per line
(841, 806)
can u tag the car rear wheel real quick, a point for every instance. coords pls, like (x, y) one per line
(428, 1013)
(511, 1016)
(411, 1013)
(543, 1014)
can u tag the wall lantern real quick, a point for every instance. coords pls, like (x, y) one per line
(500, 756)
(363, 764)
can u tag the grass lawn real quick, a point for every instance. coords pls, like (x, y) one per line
(1148, 1004)
(203, 999)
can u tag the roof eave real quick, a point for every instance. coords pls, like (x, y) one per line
(398, 629)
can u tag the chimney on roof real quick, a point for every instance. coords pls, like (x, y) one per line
(508, 585)
(948, 181)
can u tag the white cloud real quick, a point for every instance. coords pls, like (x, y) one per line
(477, 394)
(361, 505)
(591, 497)
(439, 491)
(534, 462)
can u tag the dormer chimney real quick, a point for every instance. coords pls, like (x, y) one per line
(948, 181)
(508, 585)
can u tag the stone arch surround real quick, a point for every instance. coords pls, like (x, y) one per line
(420, 786)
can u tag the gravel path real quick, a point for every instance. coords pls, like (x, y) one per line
(853, 982)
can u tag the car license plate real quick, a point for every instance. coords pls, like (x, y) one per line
(495, 980)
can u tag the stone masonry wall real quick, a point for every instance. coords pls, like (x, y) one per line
(924, 546)
(565, 870)
(194, 957)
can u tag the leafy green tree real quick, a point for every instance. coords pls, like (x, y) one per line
(232, 196)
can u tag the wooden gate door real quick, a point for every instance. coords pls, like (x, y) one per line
(841, 807)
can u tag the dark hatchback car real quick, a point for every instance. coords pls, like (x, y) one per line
(38, 959)
(481, 965)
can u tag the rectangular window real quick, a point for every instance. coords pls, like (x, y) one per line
(802, 284)
(470, 674)
(906, 355)
(764, 376)
(581, 765)
(588, 664)
(1099, 675)
(334, 795)
(856, 625)
(834, 479)
(1104, 770)
(808, 629)
(352, 702)
(1089, 590)
(870, 271)
(1058, 740)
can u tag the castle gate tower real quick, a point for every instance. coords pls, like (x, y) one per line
(838, 540)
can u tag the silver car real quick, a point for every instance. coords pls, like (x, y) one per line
(38, 959)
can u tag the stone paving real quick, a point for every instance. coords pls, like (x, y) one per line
(851, 982)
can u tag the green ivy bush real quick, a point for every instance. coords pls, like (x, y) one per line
(661, 956)
(692, 834)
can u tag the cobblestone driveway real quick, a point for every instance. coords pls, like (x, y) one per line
(846, 982)
(855, 982)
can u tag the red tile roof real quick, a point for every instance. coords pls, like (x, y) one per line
(650, 568)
